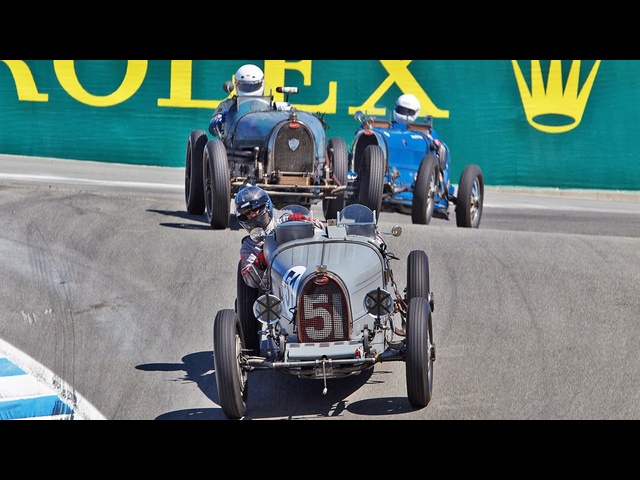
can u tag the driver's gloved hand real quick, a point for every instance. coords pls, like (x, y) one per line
(261, 262)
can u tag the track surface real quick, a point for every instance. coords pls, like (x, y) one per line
(113, 287)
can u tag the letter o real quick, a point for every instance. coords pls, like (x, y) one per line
(134, 76)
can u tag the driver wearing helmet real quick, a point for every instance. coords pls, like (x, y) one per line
(253, 209)
(406, 111)
(248, 81)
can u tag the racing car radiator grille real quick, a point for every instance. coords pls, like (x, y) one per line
(293, 150)
(323, 313)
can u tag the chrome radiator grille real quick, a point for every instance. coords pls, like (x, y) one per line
(294, 150)
(323, 312)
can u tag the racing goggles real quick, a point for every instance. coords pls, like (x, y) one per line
(400, 110)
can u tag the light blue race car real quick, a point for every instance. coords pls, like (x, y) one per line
(417, 176)
(327, 307)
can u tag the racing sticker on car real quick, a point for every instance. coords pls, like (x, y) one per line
(290, 283)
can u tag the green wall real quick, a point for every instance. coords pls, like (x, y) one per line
(562, 124)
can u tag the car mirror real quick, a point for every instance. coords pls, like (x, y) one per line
(429, 120)
(257, 234)
(396, 231)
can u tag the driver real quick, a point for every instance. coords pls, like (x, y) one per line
(248, 81)
(407, 109)
(254, 208)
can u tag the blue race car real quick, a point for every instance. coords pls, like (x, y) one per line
(417, 171)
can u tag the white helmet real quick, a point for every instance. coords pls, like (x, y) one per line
(249, 80)
(407, 108)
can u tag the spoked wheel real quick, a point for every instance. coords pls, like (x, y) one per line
(470, 197)
(338, 164)
(369, 182)
(193, 184)
(231, 378)
(217, 184)
(424, 193)
(421, 353)
(246, 297)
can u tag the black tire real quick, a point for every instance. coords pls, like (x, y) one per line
(193, 183)
(420, 353)
(246, 297)
(470, 198)
(424, 193)
(369, 182)
(217, 185)
(339, 165)
(232, 379)
(418, 275)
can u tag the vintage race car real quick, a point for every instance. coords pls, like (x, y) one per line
(417, 163)
(279, 148)
(328, 307)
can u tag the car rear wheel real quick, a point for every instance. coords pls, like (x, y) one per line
(193, 184)
(420, 353)
(217, 185)
(424, 193)
(470, 197)
(338, 164)
(232, 379)
(246, 297)
(369, 182)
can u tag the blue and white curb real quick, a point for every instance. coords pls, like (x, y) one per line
(29, 391)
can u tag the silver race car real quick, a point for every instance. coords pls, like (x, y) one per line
(328, 307)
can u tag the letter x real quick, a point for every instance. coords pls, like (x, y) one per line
(401, 76)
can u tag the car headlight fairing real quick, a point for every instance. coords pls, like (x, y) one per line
(378, 303)
(268, 309)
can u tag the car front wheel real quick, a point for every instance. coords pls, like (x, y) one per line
(231, 379)
(217, 185)
(193, 184)
(424, 193)
(369, 184)
(420, 353)
(470, 197)
(338, 165)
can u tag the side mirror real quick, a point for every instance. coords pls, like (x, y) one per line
(228, 86)
(396, 231)
(257, 234)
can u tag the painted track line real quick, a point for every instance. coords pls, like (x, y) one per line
(29, 391)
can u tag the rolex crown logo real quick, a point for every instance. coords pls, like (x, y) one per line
(558, 108)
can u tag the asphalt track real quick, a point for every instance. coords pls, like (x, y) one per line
(559, 234)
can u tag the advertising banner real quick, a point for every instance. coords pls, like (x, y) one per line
(534, 123)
